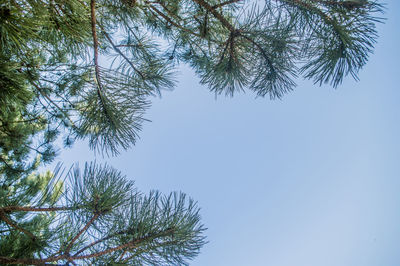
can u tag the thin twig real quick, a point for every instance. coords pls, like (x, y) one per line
(172, 22)
(35, 209)
(263, 52)
(225, 3)
(88, 224)
(53, 103)
(123, 254)
(216, 14)
(96, 54)
(121, 53)
(16, 226)
(131, 244)
(98, 241)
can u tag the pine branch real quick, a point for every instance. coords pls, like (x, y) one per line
(122, 54)
(99, 87)
(167, 9)
(8, 221)
(226, 45)
(87, 225)
(5, 162)
(122, 255)
(8, 209)
(350, 4)
(172, 22)
(216, 14)
(95, 243)
(262, 51)
(225, 3)
(96, 51)
(95, 41)
(25, 121)
(40, 90)
(131, 244)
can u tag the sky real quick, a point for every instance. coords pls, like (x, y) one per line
(309, 180)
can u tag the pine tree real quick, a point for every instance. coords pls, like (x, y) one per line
(86, 69)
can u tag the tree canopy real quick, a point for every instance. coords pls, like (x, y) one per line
(86, 69)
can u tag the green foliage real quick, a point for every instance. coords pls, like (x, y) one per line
(86, 69)
(57, 49)
(24, 190)
(99, 219)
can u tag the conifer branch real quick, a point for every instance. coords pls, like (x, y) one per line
(40, 90)
(8, 209)
(216, 14)
(87, 225)
(122, 54)
(8, 221)
(100, 241)
(261, 50)
(94, 35)
(309, 7)
(99, 87)
(225, 3)
(95, 243)
(130, 244)
(5, 162)
(168, 10)
(96, 52)
(169, 20)
(349, 4)
(122, 255)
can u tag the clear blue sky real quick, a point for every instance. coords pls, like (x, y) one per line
(311, 180)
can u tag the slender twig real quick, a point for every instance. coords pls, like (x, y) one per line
(168, 10)
(99, 241)
(99, 87)
(216, 14)
(5, 162)
(127, 45)
(51, 101)
(225, 48)
(262, 51)
(346, 4)
(169, 20)
(131, 244)
(25, 121)
(88, 224)
(28, 261)
(35, 209)
(16, 226)
(95, 41)
(123, 254)
(121, 53)
(326, 18)
(225, 3)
